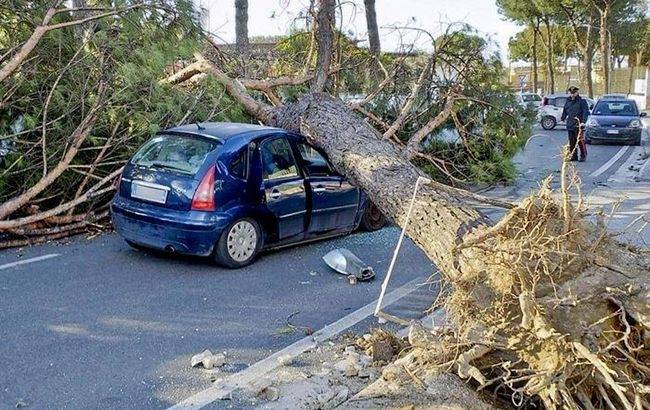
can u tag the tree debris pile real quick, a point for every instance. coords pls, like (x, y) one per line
(546, 307)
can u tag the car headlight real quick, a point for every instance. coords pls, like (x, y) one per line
(592, 122)
(635, 124)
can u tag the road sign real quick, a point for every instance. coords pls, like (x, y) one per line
(522, 79)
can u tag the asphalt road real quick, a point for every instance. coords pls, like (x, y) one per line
(101, 325)
(542, 157)
(105, 326)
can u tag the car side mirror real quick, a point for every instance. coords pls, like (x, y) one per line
(643, 114)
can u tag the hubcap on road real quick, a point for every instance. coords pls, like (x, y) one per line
(242, 240)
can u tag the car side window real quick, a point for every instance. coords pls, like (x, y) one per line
(560, 102)
(315, 163)
(239, 165)
(277, 159)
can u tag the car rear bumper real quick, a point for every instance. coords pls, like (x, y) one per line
(185, 232)
(624, 135)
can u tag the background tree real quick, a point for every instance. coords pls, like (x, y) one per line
(527, 14)
(373, 36)
(241, 26)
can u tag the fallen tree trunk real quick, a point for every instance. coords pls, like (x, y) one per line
(439, 219)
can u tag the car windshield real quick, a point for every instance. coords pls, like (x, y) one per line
(530, 97)
(174, 152)
(617, 108)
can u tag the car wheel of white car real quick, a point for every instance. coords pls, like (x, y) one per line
(548, 123)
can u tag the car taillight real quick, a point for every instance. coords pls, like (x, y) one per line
(204, 196)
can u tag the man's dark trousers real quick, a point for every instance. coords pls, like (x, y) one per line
(573, 142)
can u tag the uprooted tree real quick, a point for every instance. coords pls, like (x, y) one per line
(544, 303)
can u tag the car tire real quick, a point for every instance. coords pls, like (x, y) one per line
(372, 218)
(238, 244)
(548, 123)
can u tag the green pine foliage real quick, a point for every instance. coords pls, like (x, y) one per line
(128, 53)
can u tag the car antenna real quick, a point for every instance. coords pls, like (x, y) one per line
(199, 126)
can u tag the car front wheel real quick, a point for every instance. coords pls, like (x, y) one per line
(239, 244)
(372, 218)
(548, 123)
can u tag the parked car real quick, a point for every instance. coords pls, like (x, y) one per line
(529, 100)
(614, 96)
(614, 120)
(230, 190)
(550, 113)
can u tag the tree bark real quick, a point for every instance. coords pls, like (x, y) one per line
(373, 38)
(325, 19)
(534, 57)
(241, 26)
(550, 60)
(588, 68)
(604, 48)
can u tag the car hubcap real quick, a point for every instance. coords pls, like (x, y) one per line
(242, 240)
(548, 123)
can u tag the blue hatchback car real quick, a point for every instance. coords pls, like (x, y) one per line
(231, 190)
(616, 120)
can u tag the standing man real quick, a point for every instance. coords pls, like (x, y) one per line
(576, 111)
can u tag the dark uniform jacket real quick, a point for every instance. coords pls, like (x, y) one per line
(576, 108)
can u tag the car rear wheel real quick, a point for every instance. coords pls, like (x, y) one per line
(372, 218)
(239, 244)
(548, 123)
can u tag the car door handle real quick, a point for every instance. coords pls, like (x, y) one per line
(319, 188)
(275, 194)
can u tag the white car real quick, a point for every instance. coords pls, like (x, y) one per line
(529, 100)
(549, 114)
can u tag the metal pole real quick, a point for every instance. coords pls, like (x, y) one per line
(384, 285)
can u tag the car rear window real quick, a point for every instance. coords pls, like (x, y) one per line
(619, 108)
(560, 102)
(177, 153)
(530, 97)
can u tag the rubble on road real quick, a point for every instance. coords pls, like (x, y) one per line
(343, 374)
(380, 345)
(208, 360)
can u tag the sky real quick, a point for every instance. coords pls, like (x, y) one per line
(277, 17)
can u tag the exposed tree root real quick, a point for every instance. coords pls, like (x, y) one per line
(548, 307)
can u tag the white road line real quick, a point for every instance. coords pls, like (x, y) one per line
(611, 162)
(26, 261)
(259, 369)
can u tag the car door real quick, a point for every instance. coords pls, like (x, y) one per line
(284, 187)
(334, 201)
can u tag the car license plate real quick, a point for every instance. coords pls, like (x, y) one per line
(149, 192)
(612, 131)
